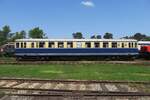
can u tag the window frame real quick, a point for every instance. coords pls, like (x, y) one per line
(61, 42)
(24, 45)
(17, 45)
(88, 44)
(122, 45)
(51, 44)
(41, 44)
(96, 44)
(32, 44)
(114, 45)
(69, 44)
(105, 44)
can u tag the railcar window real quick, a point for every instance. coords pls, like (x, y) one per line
(105, 45)
(12, 46)
(96, 44)
(41, 44)
(135, 45)
(69, 45)
(17, 45)
(132, 45)
(114, 44)
(25, 45)
(122, 45)
(32, 45)
(21, 45)
(129, 45)
(88, 44)
(51, 44)
(60, 45)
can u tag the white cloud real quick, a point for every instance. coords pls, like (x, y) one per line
(88, 3)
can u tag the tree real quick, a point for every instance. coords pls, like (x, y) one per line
(4, 34)
(108, 36)
(23, 34)
(36, 33)
(147, 38)
(17, 35)
(6, 29)
(99, 36)
(1, 37)
(77, 35)
(96, 37)
(93, 37)
(126, 37)
(139, 36)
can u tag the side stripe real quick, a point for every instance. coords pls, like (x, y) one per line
(73, 54)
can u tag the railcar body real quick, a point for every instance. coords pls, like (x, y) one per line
(8, 49)
(48, 48)
(145, 52)
(143, 43)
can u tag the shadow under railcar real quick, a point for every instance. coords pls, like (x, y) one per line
(76, 58)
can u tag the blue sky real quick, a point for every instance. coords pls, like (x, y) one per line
(60, 18)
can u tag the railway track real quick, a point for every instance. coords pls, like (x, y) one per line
(66, 89)
(74, 97)
(145, 62)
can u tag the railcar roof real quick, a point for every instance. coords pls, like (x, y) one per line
(144, 42)
(29, 40)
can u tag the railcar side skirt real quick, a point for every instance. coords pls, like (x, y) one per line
(77, 52)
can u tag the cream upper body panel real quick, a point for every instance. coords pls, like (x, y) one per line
(77, 43)
(77, 40)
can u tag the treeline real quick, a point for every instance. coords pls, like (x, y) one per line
(79, 35)
(7, 36)
(137, 36)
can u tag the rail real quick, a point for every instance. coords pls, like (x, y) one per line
(43, 89)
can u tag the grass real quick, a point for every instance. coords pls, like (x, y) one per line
(81, 72)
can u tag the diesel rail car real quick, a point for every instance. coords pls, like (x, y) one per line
(54, 48)
(143, 43)
(7, 49)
